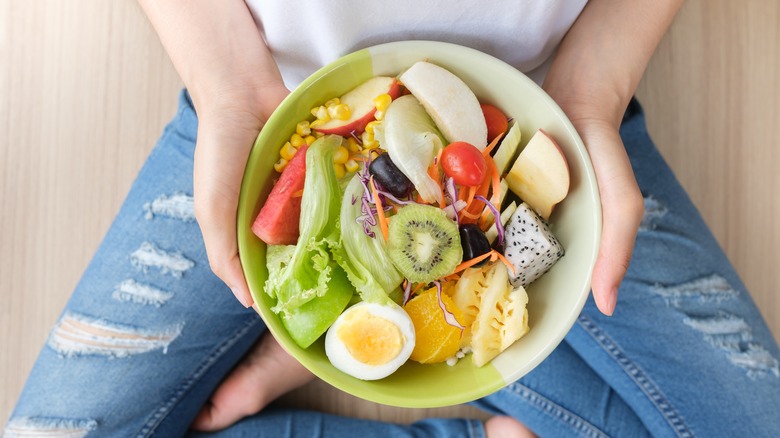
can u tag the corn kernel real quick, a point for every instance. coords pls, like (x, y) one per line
(340, 170)
(318, 134)
(341, 156)
(367, 137)
(340, 112)
(331, 102)
(379, 115)
(280, 165)
(352, 166)
(353, 145)
(382, 101)
(371, 145)
(370, 127)
(287, 151)
(303, 129)
(314, 124)
(297, 141)
(309, 139)
(321, 113)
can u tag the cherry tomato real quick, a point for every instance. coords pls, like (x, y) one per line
(464, 163)
(496, 121)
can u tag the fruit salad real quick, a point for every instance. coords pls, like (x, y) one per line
(406, 224)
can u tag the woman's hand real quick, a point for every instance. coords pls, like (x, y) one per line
(621, 202)
(227, 129)
(593, 76)
(235, 86)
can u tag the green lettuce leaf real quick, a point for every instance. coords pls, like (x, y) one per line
(298, 276)
(364, 259)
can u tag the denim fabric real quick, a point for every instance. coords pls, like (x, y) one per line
(149, 332)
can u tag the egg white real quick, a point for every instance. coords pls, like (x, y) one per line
(340, 357)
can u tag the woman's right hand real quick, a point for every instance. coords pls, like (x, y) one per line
(235, 85)
(227, 127)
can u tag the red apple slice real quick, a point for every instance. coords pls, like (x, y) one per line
(540, 175)
(360, 101)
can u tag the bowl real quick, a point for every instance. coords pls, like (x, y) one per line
(555, 300)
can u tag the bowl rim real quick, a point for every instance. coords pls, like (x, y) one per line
(365, 55)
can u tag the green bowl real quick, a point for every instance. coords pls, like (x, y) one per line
(555, 300)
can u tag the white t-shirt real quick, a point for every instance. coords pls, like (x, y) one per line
(306, 35)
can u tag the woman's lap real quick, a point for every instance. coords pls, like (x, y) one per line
(150, 331)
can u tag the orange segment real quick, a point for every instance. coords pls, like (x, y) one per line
(436, 340)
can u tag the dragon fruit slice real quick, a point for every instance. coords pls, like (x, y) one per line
(529, 246)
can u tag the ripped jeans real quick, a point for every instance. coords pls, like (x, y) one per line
(150, 332)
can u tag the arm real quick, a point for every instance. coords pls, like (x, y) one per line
(593, 76)
(235, 86)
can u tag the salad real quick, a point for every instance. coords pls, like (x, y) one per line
(406, 224)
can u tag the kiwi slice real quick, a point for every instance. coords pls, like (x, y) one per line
(423, 243)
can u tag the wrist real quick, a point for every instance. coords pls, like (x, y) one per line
(225, 98)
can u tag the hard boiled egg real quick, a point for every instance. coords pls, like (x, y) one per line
(370, 341)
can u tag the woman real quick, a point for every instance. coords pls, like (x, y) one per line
(685, 354)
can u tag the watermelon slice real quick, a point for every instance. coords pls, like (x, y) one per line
(277, 222)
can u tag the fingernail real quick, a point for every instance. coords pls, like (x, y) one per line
(239, 296)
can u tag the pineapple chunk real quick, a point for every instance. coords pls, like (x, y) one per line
(515, 317)
(466, 297)
(502, 318)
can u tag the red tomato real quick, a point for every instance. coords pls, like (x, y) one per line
(464, 163)
(496, 121)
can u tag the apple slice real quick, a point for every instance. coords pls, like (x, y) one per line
(360, 101)
(540, 175)
(449, 101)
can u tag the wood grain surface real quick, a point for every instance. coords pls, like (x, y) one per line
(85, 89)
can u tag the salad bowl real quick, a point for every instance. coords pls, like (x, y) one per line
(555, 300)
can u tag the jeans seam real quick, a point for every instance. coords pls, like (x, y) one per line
(475, 427)
(557, 411)
(157, 417)
(638, 375)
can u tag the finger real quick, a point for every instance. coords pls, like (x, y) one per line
(220, 158)
(622, 209)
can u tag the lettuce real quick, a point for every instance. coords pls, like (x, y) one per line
(363, 258)
(301, 274)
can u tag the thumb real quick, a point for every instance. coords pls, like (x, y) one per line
(622, 207)
(220, 158)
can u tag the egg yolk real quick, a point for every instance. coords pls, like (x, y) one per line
(370, 339)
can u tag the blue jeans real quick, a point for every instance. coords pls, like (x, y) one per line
(150, 332)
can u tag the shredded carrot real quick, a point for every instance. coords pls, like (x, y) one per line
(495, 182)
(466, 215)
(380, 211)
(489, 148)
(452, 277)
(464, 212)
(506, 262)
(433, 172)
(298, 194)
(417, 288)
(475, 209)
(470, 263)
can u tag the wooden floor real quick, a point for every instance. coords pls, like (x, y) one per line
(85, 89)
